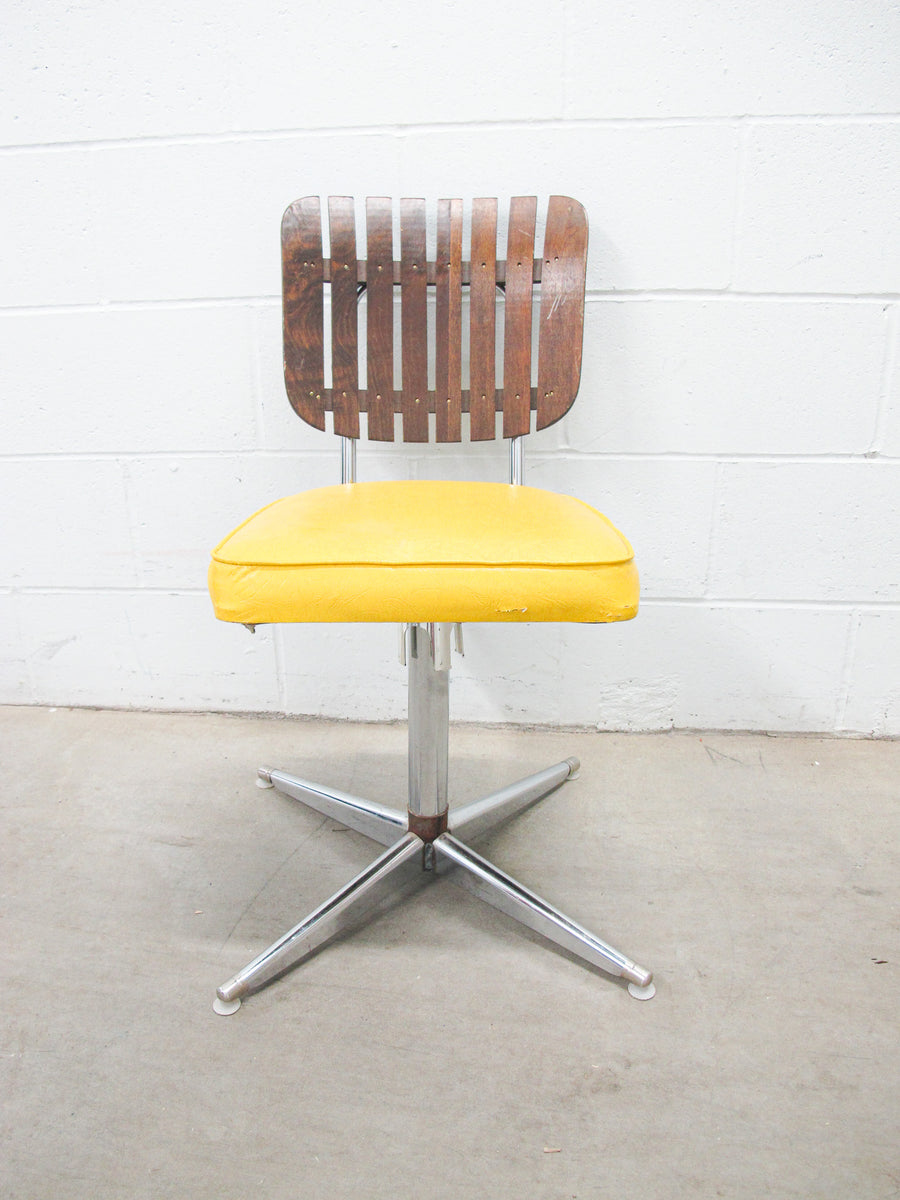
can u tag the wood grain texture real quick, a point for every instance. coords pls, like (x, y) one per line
(560, 271)
(517, 322)
(562, 309)
(448, 322)
(414, 331)
(483, 321)
(344, 316)
(380, 318)
(302, 309)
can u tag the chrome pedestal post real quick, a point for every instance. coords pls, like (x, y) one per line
(429, 728)
(425, 840)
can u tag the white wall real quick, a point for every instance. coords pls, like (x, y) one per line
(740, 410)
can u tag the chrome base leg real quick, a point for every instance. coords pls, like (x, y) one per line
(381, 824)
(481, 815)
(487, 882)
(360, 895)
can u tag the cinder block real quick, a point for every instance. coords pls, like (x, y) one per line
(659, 200)
(196, 221)
(808, 531)
(693, 666)
(79, 649)
(726, 376)
(873, 687)
(191, 660)
(819, 209)
(184, 506)
(168, 221)
(66, 524)
(662, 506)
(128, 381)
(93, 72)
(150, 649)
(343, 670)
(656, 60)
(510, 674)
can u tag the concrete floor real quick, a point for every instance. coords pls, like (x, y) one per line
(441, 1050)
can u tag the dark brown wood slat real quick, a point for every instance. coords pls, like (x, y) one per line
(517, 324)
(466, 275)
(414, 331)
(380, 318)
(482, 321)
(448, 322)
(344, 316)
(302, 309)
(562, 309)
(430, 400)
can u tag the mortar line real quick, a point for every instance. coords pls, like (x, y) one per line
(888, 371)
(708, 601)
(737, 228)
(843, 691)
(401, 130)
(592, 296)
(571, 454)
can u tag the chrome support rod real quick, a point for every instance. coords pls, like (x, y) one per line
(502, 891)
(361, 894)
(348, 460)
(429, 721)
(517, 460)
(479, 816)
(384, 825)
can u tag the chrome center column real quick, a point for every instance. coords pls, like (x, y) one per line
(429, 728)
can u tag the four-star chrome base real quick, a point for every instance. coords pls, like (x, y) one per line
(426, 841)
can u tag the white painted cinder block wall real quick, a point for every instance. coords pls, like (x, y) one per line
(740, 407)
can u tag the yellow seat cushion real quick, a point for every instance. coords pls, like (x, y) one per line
(424, 550)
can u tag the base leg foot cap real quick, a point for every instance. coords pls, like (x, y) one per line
(642, 993)
(225, 1007)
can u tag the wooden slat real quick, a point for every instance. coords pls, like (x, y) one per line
(344, 316)
(482, 320)
(448, 322)
(380, 319)
(517, 325)
(414, 331)
(466, 274)
(302, 311)
(562, 309)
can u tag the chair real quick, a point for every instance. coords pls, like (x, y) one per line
(428, 554)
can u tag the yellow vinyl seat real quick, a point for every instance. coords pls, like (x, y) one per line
(424, 550)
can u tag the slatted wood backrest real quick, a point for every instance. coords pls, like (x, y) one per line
(560, 271)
